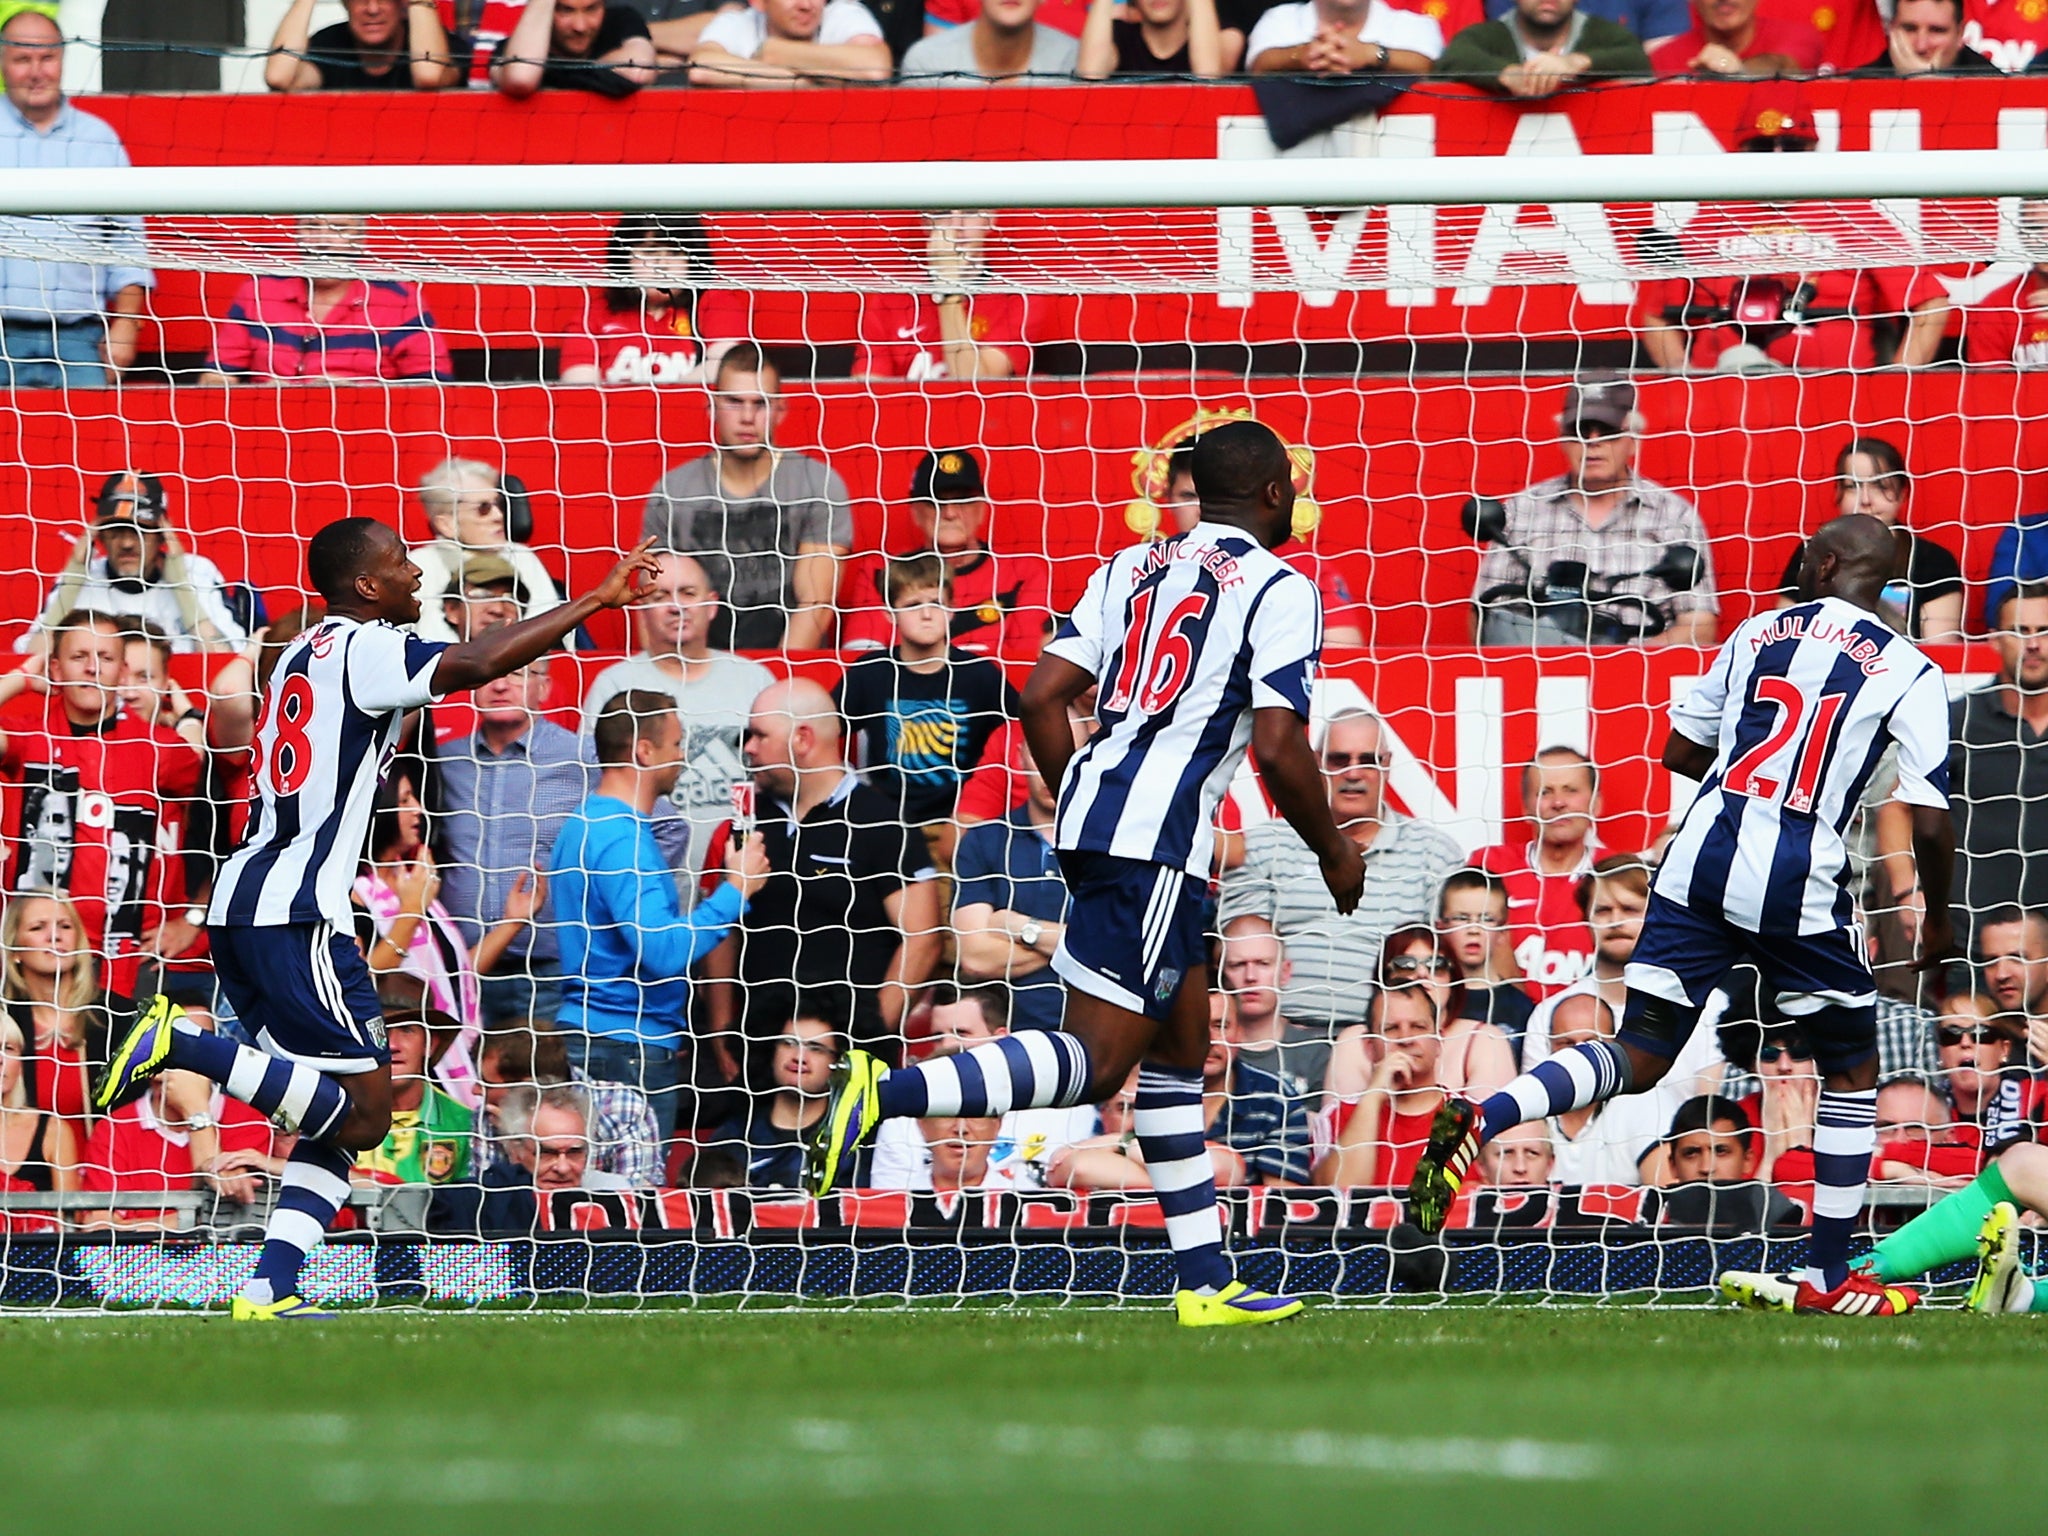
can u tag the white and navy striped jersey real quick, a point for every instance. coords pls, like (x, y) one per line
(1186, 638)
(1800, 703)
(331, 716)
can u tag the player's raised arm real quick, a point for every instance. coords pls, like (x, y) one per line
(474, 662)
(1294, 779)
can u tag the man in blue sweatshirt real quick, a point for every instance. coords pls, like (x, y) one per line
(627, 946)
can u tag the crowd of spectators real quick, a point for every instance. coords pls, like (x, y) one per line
(1523, 48)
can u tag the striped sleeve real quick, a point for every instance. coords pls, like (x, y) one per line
(1920, 726)
(1287, 641)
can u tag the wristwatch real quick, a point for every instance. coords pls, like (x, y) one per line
(196, 916)
(1028, 934)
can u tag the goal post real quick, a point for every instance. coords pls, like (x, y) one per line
(1078, 296)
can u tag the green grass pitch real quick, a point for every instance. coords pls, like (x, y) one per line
(1048, 1421)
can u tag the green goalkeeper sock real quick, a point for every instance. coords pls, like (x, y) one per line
(1941, 1234)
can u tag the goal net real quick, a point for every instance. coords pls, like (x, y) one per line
(840, 397)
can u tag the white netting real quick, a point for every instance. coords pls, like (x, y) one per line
(1075, 465)
(1416, 233)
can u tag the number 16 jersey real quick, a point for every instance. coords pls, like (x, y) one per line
(331, 714)
(1800, 705)
(1186, 638)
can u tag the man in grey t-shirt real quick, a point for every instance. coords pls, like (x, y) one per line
(769, 526)
(1000, 45)
(714, 692)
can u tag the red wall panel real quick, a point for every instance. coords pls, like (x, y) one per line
(256, 469)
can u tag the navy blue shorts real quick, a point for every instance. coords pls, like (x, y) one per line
(1134, 930)
(1821, 980)
(303, 992)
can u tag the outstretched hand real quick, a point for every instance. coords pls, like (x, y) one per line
(623, 587)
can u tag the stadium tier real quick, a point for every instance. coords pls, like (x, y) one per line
(622, 900)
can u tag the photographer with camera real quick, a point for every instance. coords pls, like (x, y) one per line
(131, 563)
(1597, 555)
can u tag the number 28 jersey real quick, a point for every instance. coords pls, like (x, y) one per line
(1186, 638)
(1801, 704)
(331, 715)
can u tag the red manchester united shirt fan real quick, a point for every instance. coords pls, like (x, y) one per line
(99, 813)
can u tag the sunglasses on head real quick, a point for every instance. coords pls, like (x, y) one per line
(1798, 1050)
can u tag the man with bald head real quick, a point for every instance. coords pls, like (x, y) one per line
(852, 905)
(1782, 734)
(713, 693)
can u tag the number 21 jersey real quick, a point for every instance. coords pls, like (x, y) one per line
(1186, 638)
(331, 714)
(1800, 703)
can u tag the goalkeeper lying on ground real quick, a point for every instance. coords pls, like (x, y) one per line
(1982, 1218)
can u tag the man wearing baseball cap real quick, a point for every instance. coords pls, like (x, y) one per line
(1000, 602)
(1586, 530)
(142, 569)
(1804, 316)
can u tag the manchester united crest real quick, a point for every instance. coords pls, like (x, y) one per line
(1151, 468)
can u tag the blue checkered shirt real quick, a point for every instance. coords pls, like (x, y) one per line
(499, 813)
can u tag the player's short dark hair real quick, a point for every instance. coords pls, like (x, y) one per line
(1234, 462)
(1181, 462)
(744, 357)
(337, 554)
(2021, 592)
(1708, 1110)
(913, 573)
(628, 718)
(87, 618)
(1471, 878)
